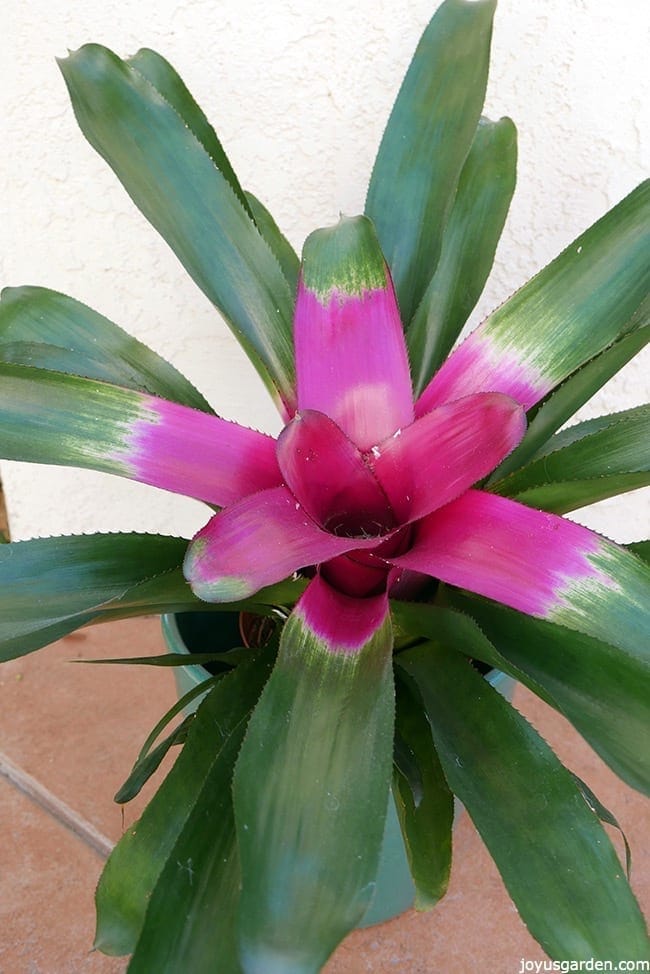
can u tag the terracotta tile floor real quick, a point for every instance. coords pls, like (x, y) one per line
(75, 729)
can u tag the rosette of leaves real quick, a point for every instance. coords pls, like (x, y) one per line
(405, 525)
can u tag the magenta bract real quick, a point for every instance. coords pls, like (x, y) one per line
(367, 495)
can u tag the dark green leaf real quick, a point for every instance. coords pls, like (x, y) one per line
(50, 586)
(455, 630)
(604, 815)
(485, 188)
(641, 549)
(573, 393)
(147, 765)
(586, 463)
(426, 812)
(284, 252)
(98, 349)
(195, 899)
(171, 593)
(427, 138)
(181, 190)
(169, 84)
(183, 704)
(555, 858)
(233, 658)
(154, 848)
(602, 690)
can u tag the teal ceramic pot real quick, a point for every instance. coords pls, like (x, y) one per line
(187, 632)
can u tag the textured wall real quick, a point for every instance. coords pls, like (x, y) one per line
(299, 91)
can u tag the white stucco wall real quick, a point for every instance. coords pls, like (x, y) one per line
(299, 91)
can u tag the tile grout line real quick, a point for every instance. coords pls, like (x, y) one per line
(58, 809)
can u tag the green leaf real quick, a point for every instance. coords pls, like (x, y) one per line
(169, 84)
(311, 790)
(485, 188)
(183, 703)
(641, 549)
(427, 138)
(590, 295)
(455, 630)
(573, 393)
(98, 349)
(149, 758)
(555, 858)
(195, 899)
(171, 593)
(426, 810)
(586, 463)
(197, 786)
(284, 252)
(603, 690)
(606, 816)
(232, 658)
(147, 765)
(54, 417)
(189, 199)
(50, 586)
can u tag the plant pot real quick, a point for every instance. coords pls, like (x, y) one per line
(205, 632)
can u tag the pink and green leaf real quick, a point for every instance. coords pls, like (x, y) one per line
(538, 563)
(587, 298)
(554, 856)
(586, 463)
(573, 393)
(258, 542)
(157, 148)
(479, 210)
(312, 783)
(426, 141)
(97, 348)
(52, 417)
(351, 359)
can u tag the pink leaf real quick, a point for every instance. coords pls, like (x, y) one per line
(493, 546)
(190, 452)
(444, 452)
(259, 541)
(329, 476)
(351, 359)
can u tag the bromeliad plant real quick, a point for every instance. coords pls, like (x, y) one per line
(404, 527)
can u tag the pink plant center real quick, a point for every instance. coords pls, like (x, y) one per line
(367, 492)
